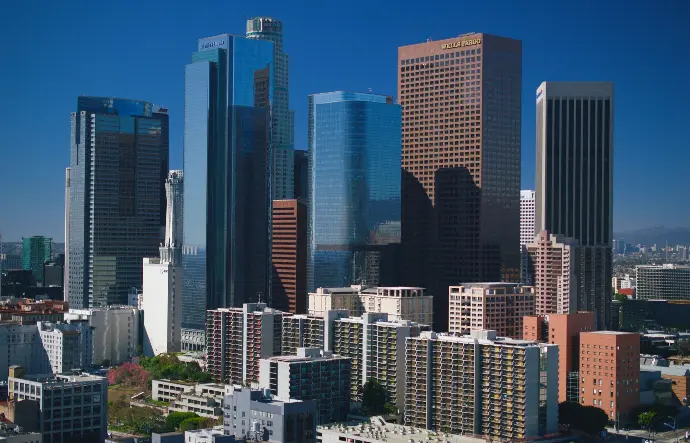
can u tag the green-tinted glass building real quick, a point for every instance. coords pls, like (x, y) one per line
(36, 251)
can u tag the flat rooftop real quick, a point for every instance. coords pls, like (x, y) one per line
(378, 430)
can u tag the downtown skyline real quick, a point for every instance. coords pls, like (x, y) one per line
(34, 206)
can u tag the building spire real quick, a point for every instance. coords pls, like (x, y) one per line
(171, 249)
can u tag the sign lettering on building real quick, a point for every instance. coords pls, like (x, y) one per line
(461, 43)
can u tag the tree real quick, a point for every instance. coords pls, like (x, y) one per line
(589, 419)
(646, 419)
(193, 423)
(620, 297)
(374, 397)
(174, 419)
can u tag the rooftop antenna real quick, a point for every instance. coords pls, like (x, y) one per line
(428, 39)
(370, 90)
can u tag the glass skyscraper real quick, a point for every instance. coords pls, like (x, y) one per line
(36, 251)
(267, 28)
(118, 166)
(354, 189)
(227, 157)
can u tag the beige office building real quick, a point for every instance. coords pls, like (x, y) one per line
(497, 306)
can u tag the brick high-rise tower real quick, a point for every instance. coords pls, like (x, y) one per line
(461, 116)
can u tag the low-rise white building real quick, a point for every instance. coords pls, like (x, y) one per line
(209, 435)
(169, 390)
(399, 302)
(115, 331)
(205, 399)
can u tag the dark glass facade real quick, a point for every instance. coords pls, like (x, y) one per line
(301, 175)
(36, 251)
(118, 165)
(354, 189)
(227, 157)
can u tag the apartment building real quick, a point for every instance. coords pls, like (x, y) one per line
(400, 303)
(62, 407)
(610, 373)
(308, 331)
(562, 330)
(115, 331)
(495, 306)
(376, 346)
(168, 390)
(256, 413)
(312, 374)
(553, 267)
(481, 384)
(665, 282)
(68, 346)
(206, 400)
(237, 338)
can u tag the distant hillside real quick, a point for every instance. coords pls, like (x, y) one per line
(657, 234)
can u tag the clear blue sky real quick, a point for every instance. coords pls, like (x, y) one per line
(54, 51)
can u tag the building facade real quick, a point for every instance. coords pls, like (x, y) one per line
(562, 330)
(527, 208)
(665, 282)
(309, 331)
(461, 102)
(553, 265)
(301, 175)
(482, 384)
(613, 384)
(575, 180)
(42, 403)
(36, 251)
(227, 156)
(118, 164)
(496, 306)
(312, 374)
(205, 400)
(257, 414)
(354, 189)
(162, 288)
(115, 332)
(68, 346)
(400, 303)
(271, 29)
(377, 349)
(237, 338)
(289, 256)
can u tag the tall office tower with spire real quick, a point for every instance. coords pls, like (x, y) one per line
(461, 114)
(282, 186)
(575, 182)
(227, 153)
(162, 288)
(118, 165)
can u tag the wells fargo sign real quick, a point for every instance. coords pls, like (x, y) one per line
(461, 43)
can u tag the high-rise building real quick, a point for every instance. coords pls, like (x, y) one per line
(114, 331)
(39, 403)
(610, 373)
(162, 288)
(482, 384)
(575, 181)
(562, 330)
(301, 175)
(553, 265)
(377, 349)
(527, 232)
(68, 346)
(289, 256)
(354, 189)
(496, 306)
(227, 152)
(309, 331)
(283, 152)
(461, 102)
(664, 282)
(36, 251)
(400, 303)
(236, 338)
(54, 271)
(65, 286)
(312, 374)
(246, 410)
(118, 164)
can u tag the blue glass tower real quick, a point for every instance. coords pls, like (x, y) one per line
(354, 189)
(118, 166)
(227, 158)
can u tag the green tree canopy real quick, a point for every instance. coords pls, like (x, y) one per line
(193, 423)
(173, 420)
(646, 419)
(374, 398)
(589, 419)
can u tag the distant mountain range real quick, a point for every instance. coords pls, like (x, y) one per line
(657, 234)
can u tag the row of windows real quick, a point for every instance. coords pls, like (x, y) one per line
(444, 56)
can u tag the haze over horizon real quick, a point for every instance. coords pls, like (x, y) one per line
(81, 48)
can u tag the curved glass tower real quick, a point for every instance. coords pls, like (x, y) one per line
(354, 180)
(227, 155)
